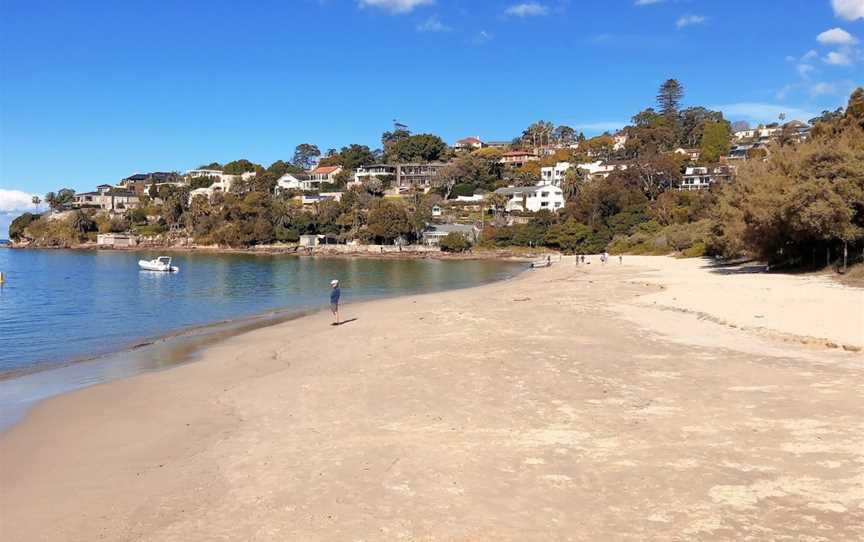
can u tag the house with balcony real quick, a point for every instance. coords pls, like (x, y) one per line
(532, 198)
(517, 159)
(106, 197)
(601, 170)
(554, 174)
(324, 174)
(701, 178)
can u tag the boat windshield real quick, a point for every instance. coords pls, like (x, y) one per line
(163, 259)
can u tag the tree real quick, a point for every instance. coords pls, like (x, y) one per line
(81, 223)
(692, 122)
(354, 156)
(19, 225)
(564, 135)
(801, 201)
(388, 221)
(305, 155)
(538, 134)
(669, 98)
(36, 200)
(715, 142)
(573, 180)
(398, 134)
(454, 242)
(238, 167)
(416, 148)
(60, 199)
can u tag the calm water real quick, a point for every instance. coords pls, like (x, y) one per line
(68, 318)
(59, 305)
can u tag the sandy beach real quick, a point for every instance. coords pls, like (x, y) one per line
(657, 399)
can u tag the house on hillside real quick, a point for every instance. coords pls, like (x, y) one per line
(497, 144)
(324, 174)
(554, 174)
(517, 159)
(377, 171)
(108, 198)
(417, 174)
(140, 183)
(689, 154)
(433, 233)
(469, 144)
(601, 170)
(532, 198)
(701, 178)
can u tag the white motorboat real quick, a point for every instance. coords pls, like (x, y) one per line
(162, 263)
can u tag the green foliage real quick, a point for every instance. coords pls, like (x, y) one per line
(803, 200)
(388, 221)
(197, 182)
(454, 242)
(416, 148)
(61, 198)
(715, 142)
(238, 167)
(305, 155)
(19, 225)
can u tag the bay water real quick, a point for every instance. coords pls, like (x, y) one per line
(69, 318)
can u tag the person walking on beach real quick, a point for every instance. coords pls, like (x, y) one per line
(335, 294)
(620, 259)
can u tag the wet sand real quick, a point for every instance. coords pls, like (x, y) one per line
(618, 402)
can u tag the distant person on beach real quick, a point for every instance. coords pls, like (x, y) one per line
(335, 294)
(620, 259)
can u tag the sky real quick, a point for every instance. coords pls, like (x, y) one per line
(94, 91)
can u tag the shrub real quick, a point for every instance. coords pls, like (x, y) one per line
(454, 242)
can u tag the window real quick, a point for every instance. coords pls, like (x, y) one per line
(544, 204)
(544, 194)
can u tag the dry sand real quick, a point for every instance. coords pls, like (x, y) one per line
(571, 403)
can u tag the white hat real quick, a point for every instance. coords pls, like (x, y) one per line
(334, 282)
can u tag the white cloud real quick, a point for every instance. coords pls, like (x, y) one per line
(433, 24)
(804, 70)
(762, 112)
(688, 20)
(850, 10)
(530, 9)
(648, 2)
(482, 37)
(16, 201)
(839, 58)
(822, 88)
(12, 204)
(395, 6)
(836, 36)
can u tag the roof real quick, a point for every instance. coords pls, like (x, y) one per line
(511, 190)
(325, 170)
(449, 228)
(468, 141)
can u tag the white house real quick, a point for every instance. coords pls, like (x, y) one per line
(554, 174)
(433, 233)
(533, 198)
(469, 143)
(324, 174)
(601, 170)
(619, 141)
(362, 174)
(701, 178)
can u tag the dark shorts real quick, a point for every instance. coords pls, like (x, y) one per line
(334, 307)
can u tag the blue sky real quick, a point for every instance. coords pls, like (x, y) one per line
(91, 92)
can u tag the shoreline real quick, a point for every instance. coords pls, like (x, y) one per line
(486, 413)
(169, 350)
(362, 251)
